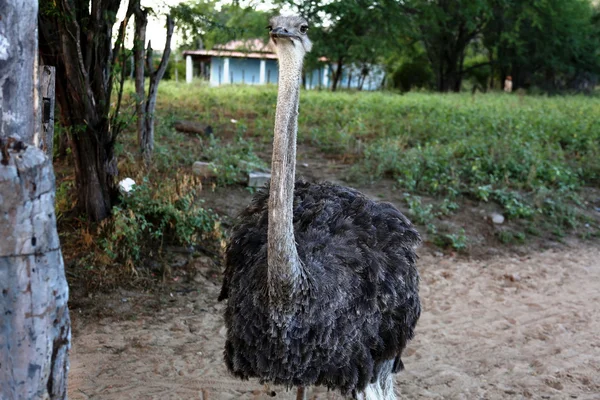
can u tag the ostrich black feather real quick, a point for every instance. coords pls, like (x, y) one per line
(359, 301)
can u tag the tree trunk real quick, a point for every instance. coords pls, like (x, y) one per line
(145, 107)
(35, 330)
(139, 51)
(35, 325)
(337, 75)
(18, 48)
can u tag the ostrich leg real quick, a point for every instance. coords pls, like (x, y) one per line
(301, 394)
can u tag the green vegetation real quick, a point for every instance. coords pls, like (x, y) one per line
(154, 215)
(530, 155)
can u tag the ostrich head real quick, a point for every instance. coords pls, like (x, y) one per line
(289, 36)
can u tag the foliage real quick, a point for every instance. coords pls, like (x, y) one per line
(152, 216)
(457, 241)
(208, 22)
(411, 74)
(549, 43)
(233, 160)
(446, 29)
(529, 155)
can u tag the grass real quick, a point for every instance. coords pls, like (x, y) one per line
(529, 156)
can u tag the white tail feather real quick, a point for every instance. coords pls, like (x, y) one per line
(382, 388)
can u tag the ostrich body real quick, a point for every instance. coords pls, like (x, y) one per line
(321, 281)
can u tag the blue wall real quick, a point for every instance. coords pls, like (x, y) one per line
(247, 70)
(242, 70)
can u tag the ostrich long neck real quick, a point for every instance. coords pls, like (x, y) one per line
(284, 270)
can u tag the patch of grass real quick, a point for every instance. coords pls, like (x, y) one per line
(233, 160)
(456, 240)
(530, 155)
(510, 237)
(419, 213)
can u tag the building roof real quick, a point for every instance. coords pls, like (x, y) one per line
(253, 48)
(250, 45)
(229, 53)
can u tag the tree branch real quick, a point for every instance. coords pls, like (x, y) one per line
(164, 60)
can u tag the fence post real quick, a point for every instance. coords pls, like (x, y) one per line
(47, 87)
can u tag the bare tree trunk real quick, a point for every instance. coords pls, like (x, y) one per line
(146, 106)
(18, 49)
(35, 330)
(35, 325)
(337, 75)
(141, 21)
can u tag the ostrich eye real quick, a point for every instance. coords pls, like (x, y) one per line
(270, 28)
(304, 28)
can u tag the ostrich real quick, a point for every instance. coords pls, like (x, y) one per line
(321, 281)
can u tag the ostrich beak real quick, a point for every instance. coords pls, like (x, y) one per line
(280, 32)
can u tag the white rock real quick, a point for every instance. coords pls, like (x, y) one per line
(497, 218)
(204, 169)
(126, 185)
(258, 179)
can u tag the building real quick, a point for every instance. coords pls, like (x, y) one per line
(252, 62)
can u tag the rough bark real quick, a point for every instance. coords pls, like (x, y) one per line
(18, 49)
(35, 333)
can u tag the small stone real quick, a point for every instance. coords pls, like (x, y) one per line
(258, 179)
(512, 277)
(497, 218)
(204, 169)
(438, 254)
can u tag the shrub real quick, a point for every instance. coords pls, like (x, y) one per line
(150, 217)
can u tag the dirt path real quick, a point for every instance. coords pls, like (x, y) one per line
(506, 327)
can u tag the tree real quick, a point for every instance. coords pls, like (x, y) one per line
(446, 29)
(75, 37)
(202, 25)
(145, 105)
(548, 43)
(35, 326)
(355, 32)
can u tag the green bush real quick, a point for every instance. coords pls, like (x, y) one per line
(413, 74)
(149, 218)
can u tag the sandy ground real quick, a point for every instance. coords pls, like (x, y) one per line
(508, 327)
